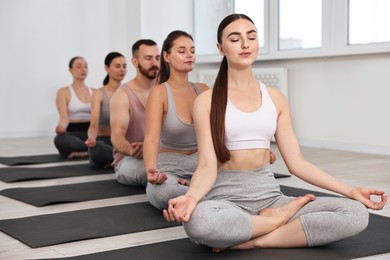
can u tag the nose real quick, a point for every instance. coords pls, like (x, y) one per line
(155, 62)
(190, 54)
(245, 44)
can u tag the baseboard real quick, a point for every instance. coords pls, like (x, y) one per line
(27, 134)
(361, 148)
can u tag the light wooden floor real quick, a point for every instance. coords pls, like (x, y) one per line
(353, 168)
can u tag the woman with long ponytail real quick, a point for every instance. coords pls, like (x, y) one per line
(234, 201)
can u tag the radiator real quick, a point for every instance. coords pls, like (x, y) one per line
(272, 77)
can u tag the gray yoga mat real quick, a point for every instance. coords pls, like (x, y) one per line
(58, 228)
(14, 174)
(42, 196)
(35, 159)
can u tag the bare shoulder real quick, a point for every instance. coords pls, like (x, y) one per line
(204, 98)
(63, 92)
(97, 92)
(158, 91)
(277, 96)
(119, 97)
(203, 87)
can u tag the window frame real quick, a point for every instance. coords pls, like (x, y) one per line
(334, 35)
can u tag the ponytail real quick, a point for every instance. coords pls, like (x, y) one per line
(106, 80)
(217, 113)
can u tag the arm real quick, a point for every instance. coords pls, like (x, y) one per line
(119, 121)
(202, 181)
(96, 105)
(154, 120)
(297, 165)
(62, 100)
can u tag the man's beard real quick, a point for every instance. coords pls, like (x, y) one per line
(150, 73)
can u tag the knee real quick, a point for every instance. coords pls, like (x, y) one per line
(198, 229)
(158, 195)
(359, 216)
(59, 140)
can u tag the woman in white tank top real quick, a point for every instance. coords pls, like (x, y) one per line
(74, 108)
(233, 201)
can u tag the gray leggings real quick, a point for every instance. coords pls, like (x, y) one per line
(131, 171)
(176, 166)
(223, 218)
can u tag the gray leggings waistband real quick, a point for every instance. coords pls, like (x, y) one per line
(251, 190)
(179, 165)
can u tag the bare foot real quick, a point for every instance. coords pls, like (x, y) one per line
(77, 154)
(108, 166)
(217, 250)
(285, 213)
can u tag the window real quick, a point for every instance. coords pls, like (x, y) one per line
(293, 29)
(300, 24)
(208, 15)
(255, 10)
(368, 21)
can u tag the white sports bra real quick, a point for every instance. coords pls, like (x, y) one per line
(251, 130)
(78, 110)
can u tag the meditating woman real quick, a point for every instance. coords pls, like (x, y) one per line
(234, 200)
(99, 132)
(74, 108)
(170, 148)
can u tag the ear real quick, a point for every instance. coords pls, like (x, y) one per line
(220, 49)
(166, 57)
(134, 61)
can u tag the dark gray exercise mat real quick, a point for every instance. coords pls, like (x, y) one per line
(374, 240)
(42, 196)
(58, 228)
(281, 175)
(13, 174)
(36, 159)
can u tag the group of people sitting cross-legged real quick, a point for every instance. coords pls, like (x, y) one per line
(203, 153)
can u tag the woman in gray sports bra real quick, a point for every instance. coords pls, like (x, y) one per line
(170, 147)
(99, 132)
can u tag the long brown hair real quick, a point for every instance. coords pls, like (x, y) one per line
(220, 96)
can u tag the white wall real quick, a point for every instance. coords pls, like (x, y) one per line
(38, 38)
(339, 102)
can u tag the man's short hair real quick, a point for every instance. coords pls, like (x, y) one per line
(138, 43)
